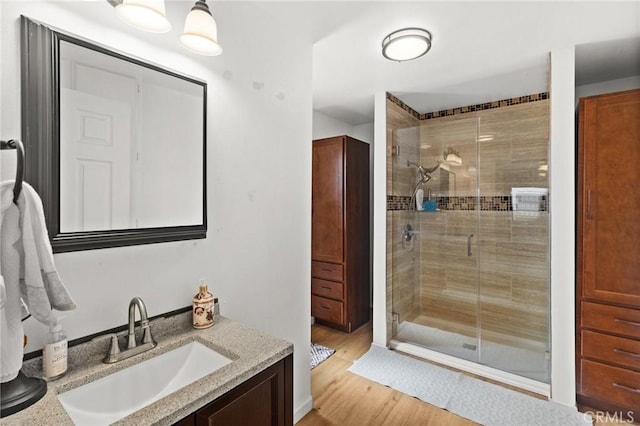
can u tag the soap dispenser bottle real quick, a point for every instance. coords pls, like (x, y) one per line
(54, 354)
(202, 308)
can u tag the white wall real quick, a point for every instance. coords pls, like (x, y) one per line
(562, 219)
(380, 319)
(364, 132)
(609, 86)
(325, 126)
(256, 257)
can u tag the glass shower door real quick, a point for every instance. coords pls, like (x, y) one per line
(435, 265)
(469, 273)
(514, 241)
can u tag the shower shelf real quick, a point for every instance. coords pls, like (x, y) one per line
(428, 211)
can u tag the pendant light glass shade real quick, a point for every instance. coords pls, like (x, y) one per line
(406, 44)
(200, 31)
(146, 15)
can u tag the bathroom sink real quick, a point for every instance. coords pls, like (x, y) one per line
(113, 397)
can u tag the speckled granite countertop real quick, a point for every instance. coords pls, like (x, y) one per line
(251, 351)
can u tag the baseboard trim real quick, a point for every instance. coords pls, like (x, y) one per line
(302, 410)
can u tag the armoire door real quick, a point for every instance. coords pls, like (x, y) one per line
(327, 223)
(609, 166)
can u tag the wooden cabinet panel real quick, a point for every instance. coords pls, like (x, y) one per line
(328, 271)
(611, 200)
(618, 385)
(608, 264)
(330, 289)
(611, 319)
(187, 421)
(340, 246)
(327, 309)
(265, 399)
(611, 349)
(327, 201)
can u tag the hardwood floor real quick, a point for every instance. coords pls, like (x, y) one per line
(345, 399)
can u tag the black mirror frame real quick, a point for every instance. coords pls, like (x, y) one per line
(40, 93)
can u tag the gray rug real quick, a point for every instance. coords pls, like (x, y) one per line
(474, 399)
(319, 354)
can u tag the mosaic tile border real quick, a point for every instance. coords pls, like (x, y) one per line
(399, 202)
(486, 203)
(404, 106)
(468, 108)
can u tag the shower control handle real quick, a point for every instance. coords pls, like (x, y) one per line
(469, 237)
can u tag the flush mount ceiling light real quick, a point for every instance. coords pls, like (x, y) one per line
(145, 15)
(200, 31)
(406, 44)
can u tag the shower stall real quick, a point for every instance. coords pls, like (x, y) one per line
(469, 263)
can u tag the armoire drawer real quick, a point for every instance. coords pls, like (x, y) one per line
(327, 309)
(611, 349)
(618, 386)
(324, 288)
(611, 319)
(328, 271)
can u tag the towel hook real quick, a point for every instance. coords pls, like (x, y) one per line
(19, 147)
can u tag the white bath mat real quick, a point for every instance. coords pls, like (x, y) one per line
(319, 354)
(474, 399)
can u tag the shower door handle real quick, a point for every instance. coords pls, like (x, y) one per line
(469, 237)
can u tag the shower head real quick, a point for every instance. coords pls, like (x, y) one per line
(425, 174)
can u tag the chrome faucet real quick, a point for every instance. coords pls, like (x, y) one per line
(146, 343)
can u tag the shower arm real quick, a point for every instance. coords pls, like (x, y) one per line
(424, 177)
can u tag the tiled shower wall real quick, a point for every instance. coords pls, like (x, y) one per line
(510, 249)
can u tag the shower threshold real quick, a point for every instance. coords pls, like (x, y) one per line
(507, 378)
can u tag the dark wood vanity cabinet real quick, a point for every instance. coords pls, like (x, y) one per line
(266, 399)
(608, 255)
(340, 242)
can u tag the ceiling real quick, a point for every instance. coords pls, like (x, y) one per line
(481, 51)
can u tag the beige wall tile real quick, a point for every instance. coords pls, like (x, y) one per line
(509, 266)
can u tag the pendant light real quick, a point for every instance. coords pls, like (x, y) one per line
(200, 31)
(406, 44)
(146, 15)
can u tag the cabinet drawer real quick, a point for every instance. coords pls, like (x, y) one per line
(611, 319)
(327, 309)
(330, 289)
(617, 350)
(328, 271)
(616, 385)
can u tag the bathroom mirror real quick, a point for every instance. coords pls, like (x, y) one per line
(115, 146)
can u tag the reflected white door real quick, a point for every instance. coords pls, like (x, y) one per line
(95, 163)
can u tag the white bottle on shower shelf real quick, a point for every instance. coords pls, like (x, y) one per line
(419, 198)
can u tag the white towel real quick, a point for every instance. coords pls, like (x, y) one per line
(42, 288)
(28, 269)
(10, 306)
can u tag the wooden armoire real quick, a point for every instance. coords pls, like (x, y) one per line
(340, 233)
(608, 256)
